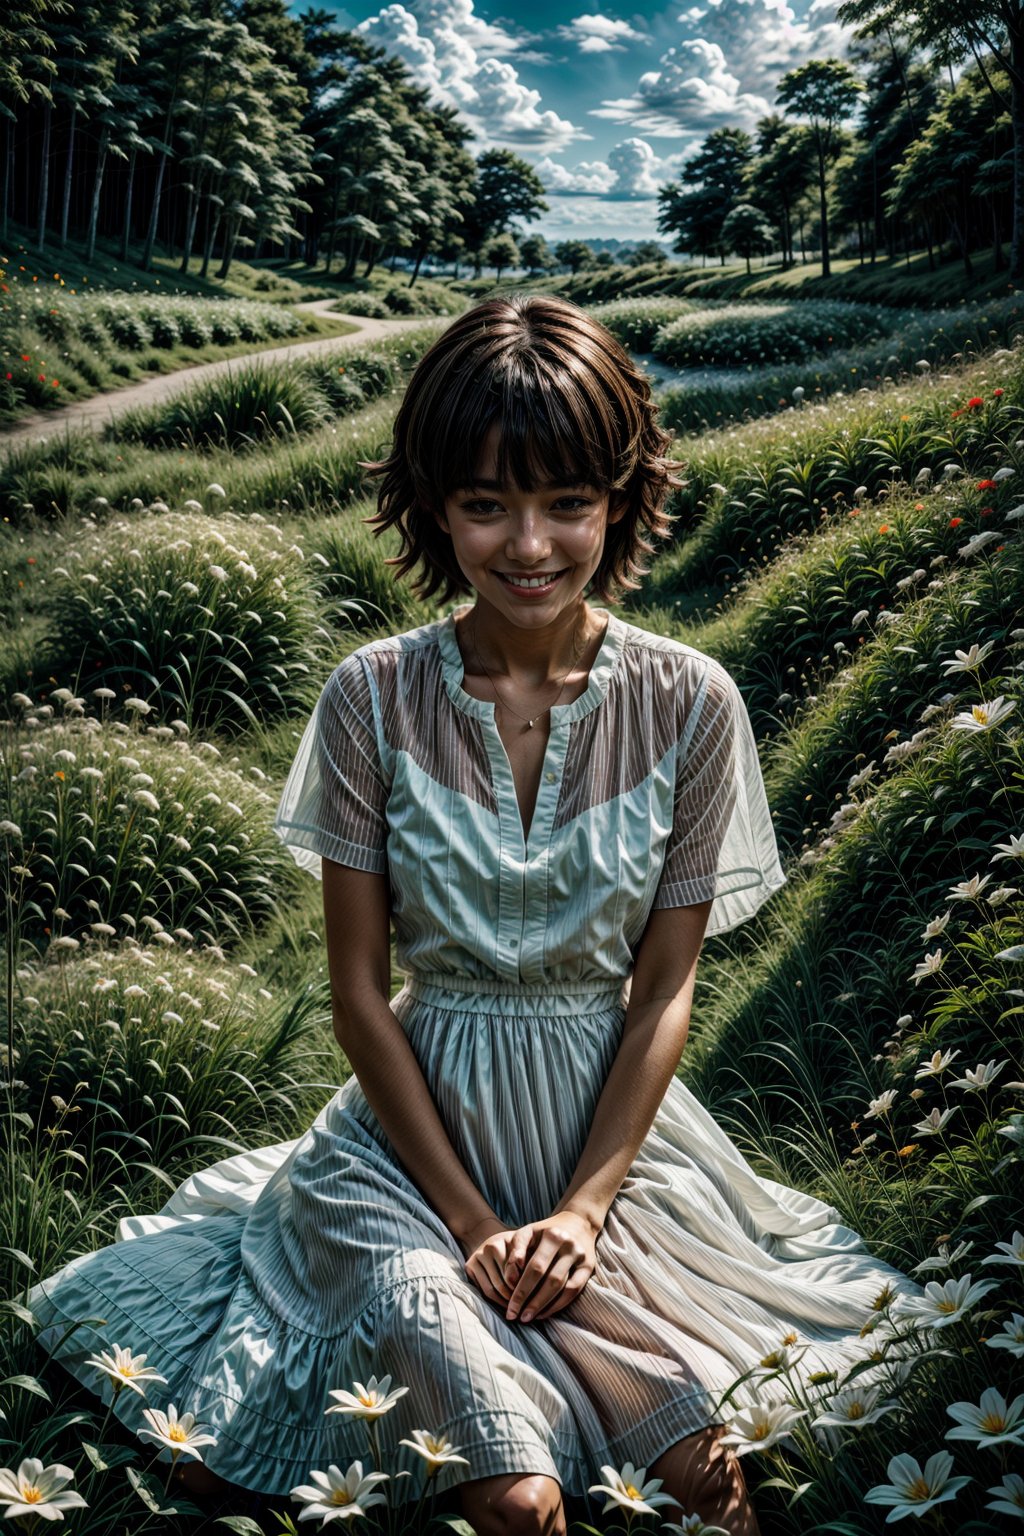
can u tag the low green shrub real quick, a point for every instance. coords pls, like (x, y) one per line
(138, 832)
(766, 333)
(211, 620)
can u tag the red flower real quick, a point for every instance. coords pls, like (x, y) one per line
(996, 393)
(974, 402)
(955, 414)
(25, 357)
(985, 485)
(955, 522)
(985, 512)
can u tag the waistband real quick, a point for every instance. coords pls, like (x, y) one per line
(495, 995)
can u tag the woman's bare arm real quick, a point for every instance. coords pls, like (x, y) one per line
(357, 924)
(548, 1262)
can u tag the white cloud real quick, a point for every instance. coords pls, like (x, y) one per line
(632, 173)
(727, 76)
(599, 34)
(454, 54)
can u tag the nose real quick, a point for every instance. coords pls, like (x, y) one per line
(528, 541)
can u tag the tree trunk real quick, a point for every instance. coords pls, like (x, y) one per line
(154, 215)
(8, 173)
(190, 227)
(1017, 121)
(129, 193)
(416, 268)
(211, 236)
(826, 263)
(228, 253)
(67, 177)
(97, 187)
(44, 174)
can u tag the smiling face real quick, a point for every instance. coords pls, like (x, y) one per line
(528, 554)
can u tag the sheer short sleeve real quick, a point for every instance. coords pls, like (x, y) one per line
(722, 845)
(333, 802)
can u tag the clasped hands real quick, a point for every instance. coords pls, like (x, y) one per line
(535, 1270)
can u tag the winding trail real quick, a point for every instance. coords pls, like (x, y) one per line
(98, 410)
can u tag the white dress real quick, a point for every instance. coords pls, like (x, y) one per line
(268, 1279)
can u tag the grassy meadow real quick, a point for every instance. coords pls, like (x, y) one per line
(848, 541)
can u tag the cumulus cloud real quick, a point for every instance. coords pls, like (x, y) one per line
(454, 54)
(599, 34)
(631, 173)
(727, 73)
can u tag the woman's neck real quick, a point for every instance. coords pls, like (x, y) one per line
(530, 657)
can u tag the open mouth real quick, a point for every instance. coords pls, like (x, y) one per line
(543, 582)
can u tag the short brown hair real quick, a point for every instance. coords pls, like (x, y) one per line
(571, 404)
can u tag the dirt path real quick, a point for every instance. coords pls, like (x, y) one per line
(100, 409)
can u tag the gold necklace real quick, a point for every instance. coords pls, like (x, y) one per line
(530, 722)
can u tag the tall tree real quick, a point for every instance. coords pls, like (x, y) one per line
(825, 91)
(779, 175)
(507, 188)
(694, 208)
(991, 33)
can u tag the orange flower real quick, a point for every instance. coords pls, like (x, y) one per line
(884, 528)
(918, 506)
(985, 485)
(908, 1149)
(955, 522)
(855, 511)
(59, 774)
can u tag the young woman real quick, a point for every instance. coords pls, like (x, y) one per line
(513, 1207)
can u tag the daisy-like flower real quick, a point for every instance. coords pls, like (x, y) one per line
(1012, 1252)
(180, 1435)
(627, 1490)
(1008, 1496)
(1010, 1336)
(944, 1303)
(929, 966)
(992, 1421)
(967, 661)
(1002, 893)
(125, 1369)
(757, 1425)
(968, 890)
(913, 1490)
(881, 1105)
(975, 1079)
(866, 773)
(368, 1402)
(937, 1063)
(1014, 849)
(337, 1495)
(692, 1525)
(436, 1451)
(936, 926)
(854, 1408)
(38, 1490)
(944, 1259)
(982, 717)
(936, 1121)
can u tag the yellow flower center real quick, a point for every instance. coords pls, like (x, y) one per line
(432, 1445)
(341, 1496)
(762, 1427)
(772, 1360)
(993, 1423)
(980, 714)
(790, 1338)
(633, 1493)
(855, 1411)
(31, 1494)
(946, 1306)
(370, 1400)
(918, 1489)
(175, 1432)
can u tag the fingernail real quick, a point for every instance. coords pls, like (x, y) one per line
(527, 1316)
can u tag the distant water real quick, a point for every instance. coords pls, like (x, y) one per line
(663, 376)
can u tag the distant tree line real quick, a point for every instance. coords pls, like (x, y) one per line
(215, 128)
(890, 150)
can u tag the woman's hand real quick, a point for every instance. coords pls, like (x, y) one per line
(549, 1262)
(486, 1253)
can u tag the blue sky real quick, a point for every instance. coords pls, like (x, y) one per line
(607, 105)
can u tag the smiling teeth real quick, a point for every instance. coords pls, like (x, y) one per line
(532, 581)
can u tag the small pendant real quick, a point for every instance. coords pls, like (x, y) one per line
(529, 725)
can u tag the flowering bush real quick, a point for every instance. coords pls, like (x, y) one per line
(212, 621)
(760, 333)
(139, 832)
